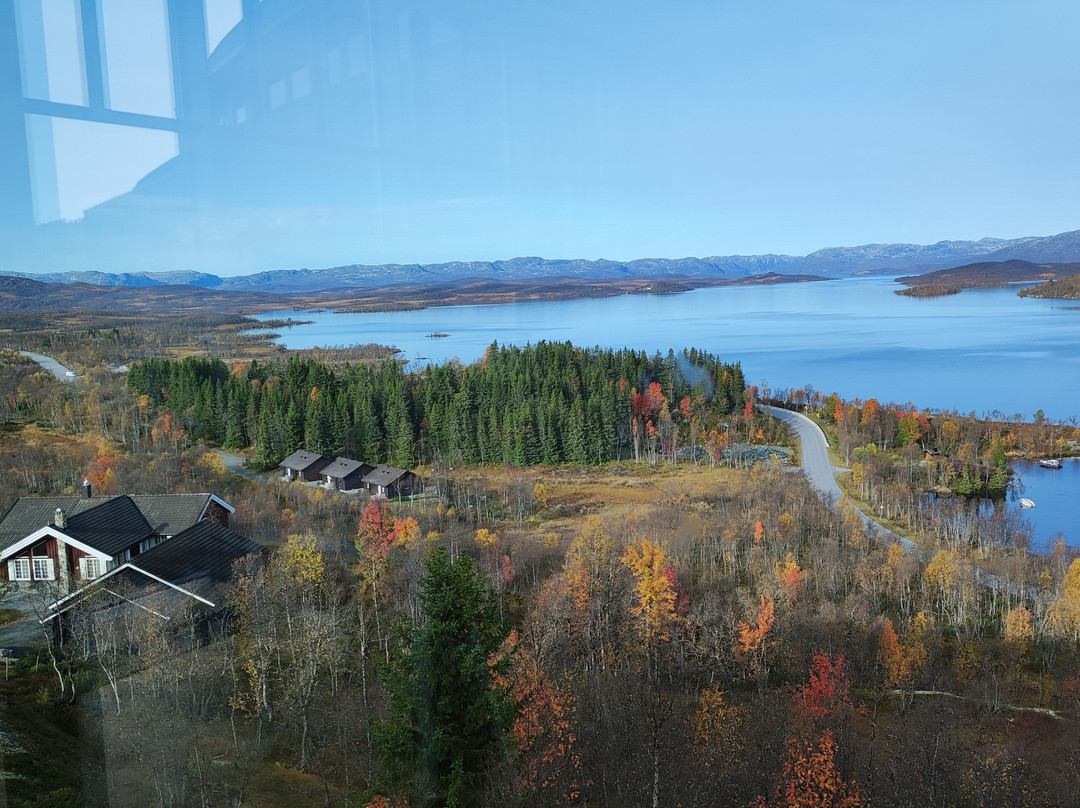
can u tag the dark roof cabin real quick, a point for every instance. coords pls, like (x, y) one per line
(191, 569)
(303, 465)
(76, 547)
(388, 481)
(72, 539)
(345, 474)
(171, 513)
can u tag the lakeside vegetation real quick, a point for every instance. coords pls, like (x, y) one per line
(1064, 289)
(659, 630)
(982, 275)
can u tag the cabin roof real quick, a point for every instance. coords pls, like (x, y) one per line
(385, 475)
(194, 563)
(343, 467)
(110, 527)
(28, 514)
(135, 518)
(169, 514)
(302, 460)
(204, 551)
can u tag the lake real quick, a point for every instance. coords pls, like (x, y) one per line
(980, 351)
(1054, 493)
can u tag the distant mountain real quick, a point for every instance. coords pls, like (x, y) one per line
(174, 278)
(832, 262)
(30, 295)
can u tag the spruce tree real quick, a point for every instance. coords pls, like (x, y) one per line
(448, 718)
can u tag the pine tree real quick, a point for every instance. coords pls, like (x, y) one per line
(447, 717)
(294, 428)
(235, 434)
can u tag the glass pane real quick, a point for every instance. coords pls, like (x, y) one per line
(76, 165)
(51, 50)
(221, 17)
(136, 57)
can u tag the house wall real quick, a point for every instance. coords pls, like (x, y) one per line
(403, 486)
(353, 481)
(45, 549)
(406, 485)
(310, 474)
(50, 549)
(217, 514)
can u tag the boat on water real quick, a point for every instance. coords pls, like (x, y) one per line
(1052, 463)
(1027, 503)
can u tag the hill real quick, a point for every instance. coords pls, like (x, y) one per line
(982, 275)
(867, 259)
(19, 294)
(1060, 289)
(26, 295)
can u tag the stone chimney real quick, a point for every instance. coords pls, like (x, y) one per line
(86, 489)
(60, 519)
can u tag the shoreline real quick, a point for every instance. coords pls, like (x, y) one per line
(494, 292)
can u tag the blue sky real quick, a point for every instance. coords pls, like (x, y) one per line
(396, 132)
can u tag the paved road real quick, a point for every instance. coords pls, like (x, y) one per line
(235, 463)
(51, 365)
(821, 473)
(27, 632)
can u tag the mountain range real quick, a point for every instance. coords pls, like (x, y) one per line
(832, 262)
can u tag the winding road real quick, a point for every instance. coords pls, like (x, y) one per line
(821, 473)
(51, 365)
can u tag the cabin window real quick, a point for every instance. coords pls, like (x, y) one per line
(19, 569)
(92, 568)
(153, 541)
(43, 569)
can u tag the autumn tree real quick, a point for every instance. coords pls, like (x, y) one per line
(753, 641)
(825, 696)
(1063, 616)
(654, 588)
(811, 778)
(373, 541)
(901, 661)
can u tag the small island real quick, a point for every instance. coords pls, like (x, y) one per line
(1056, 289)
(984, 275)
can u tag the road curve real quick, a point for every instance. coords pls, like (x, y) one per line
(235, 464)
(821, 473)
(51, 365)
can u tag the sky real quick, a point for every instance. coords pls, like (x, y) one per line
(313, 134)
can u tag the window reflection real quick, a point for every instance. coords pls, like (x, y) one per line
(136, 116)
(136, 56)
(51, 50)
(221, 17)
(79, 164)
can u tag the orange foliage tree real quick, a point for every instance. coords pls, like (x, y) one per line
(752, 642)
(541, 737)
(655, 588)
(811, 778)
(826, 694)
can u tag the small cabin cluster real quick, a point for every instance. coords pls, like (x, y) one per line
(346, 474)
(181, 543)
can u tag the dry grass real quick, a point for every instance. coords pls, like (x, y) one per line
(16, 434)
(614, 489)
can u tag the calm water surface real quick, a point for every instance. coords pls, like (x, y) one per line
(1054, 492)
(981, 351)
